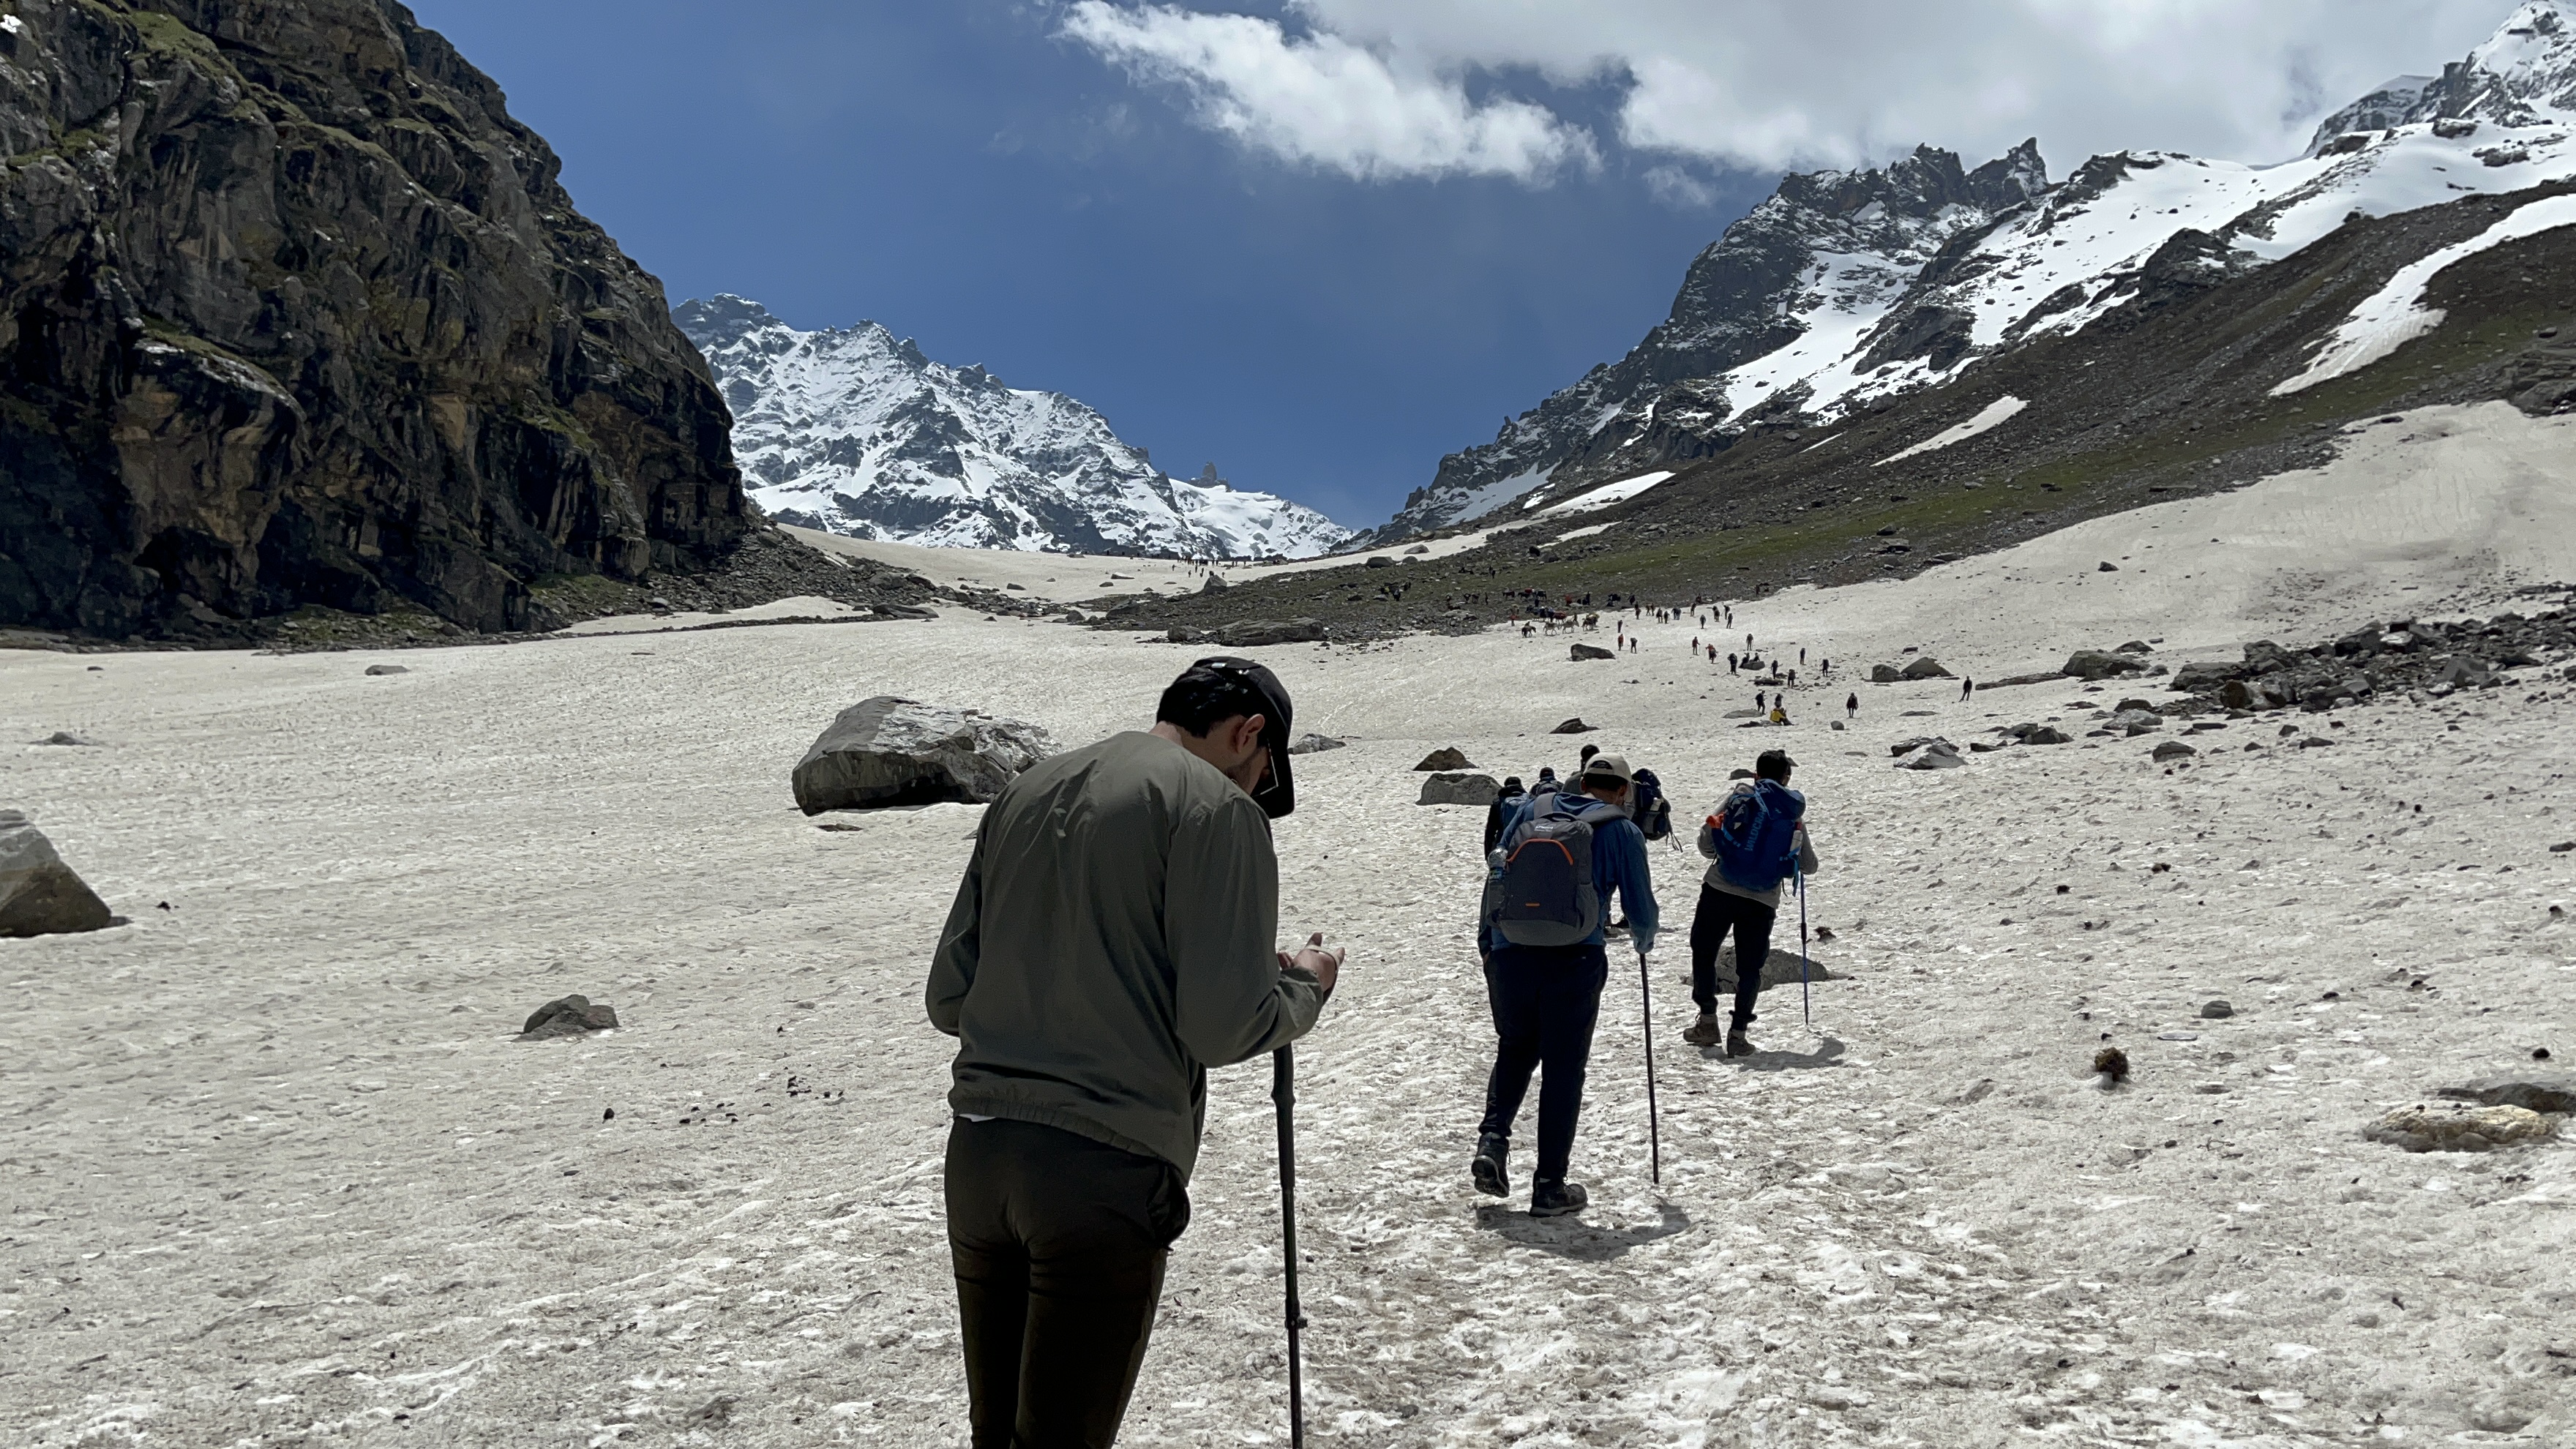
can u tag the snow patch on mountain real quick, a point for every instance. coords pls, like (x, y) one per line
(2396, 315)
(1846, 288)
(854, 431)
(2002, 410)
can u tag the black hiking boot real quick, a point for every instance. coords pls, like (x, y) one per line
(1705, 1031)
(1555, 1197)
(1491, 1154)
(1738, 1044)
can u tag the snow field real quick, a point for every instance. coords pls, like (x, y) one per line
(277, 1171)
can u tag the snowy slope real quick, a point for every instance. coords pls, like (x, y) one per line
(1845, 288)
(854, 431)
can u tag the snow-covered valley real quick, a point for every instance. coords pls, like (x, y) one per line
(279, 1173)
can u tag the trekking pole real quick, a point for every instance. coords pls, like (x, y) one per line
(1284, 1094)
(1654, 1133)
(1806, 1001)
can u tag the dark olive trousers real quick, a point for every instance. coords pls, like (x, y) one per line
(1059, 1243)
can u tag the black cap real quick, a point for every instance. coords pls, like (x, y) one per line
(1278, 794)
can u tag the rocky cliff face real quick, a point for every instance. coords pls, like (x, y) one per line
(1848, 289)
(292, 312)
(855, 431)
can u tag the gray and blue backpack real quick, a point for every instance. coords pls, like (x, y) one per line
(1541, 892)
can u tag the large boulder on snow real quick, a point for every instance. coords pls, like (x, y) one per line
(1926, 667)
(1885, 674)
(2102, 664)
(39, 895)
(1254, 633)
(1582, 652)
(890, 751)
(1450, 788)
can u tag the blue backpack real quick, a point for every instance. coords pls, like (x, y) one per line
(1757, 834)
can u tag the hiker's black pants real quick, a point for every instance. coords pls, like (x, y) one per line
(1059, 1243)
(1545, 1000)
(1720, 912)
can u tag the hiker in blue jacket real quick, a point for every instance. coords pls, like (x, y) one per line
(1542, 935)
(1751, 840)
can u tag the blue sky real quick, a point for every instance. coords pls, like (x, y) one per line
(959, 174)
(1322, 242)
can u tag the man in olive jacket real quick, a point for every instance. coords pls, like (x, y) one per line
(1114, 937)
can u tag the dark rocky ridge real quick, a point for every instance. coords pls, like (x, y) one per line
(292, 313)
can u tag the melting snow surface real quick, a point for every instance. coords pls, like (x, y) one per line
(1996, 413)
(2396, 315)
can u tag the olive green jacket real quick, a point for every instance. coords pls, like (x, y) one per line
(1115, 936)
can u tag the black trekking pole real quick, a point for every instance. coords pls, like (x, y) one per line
(1284, 1094)
(1806, 1001)
(1654, 1133)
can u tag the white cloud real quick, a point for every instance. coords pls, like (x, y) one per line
(1327, 101)
(1378, 88)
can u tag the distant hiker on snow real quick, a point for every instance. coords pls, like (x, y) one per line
(1546, 958)
(1851, 705)
(1111, 941)
(1967, 688)
(1753, 837)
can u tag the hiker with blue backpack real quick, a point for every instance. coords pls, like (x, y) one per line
(1757, 839)
(1542, 933)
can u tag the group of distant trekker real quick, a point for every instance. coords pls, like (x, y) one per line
(1556, 854)
(1114, 937)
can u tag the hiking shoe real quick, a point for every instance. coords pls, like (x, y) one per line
(1491, 1153)
(1738, 1044)
(1554, 1199)
(1705, 1031)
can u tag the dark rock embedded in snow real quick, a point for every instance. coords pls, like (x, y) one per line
(384, 669)
(2172, 750)
(2480, 1129)
(2047, 735)
(1448, 757)
(39, 895)
(65, 737)
(2216, 1011)
(1574, 726)
(1591, 651)
(1453, 788)
(1926, 667)
(2101, 664)
(891, 751)
(568, 1016)
(2535, 1094)
(1314, 744)
(1253, 633)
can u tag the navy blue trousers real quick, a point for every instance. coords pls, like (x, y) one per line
(1545, 999)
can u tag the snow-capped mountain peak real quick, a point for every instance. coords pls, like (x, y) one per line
(1845, 288)
(854, 430)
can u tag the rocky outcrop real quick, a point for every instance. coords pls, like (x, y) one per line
(890, 751)
(292, 312)
(39, 895)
